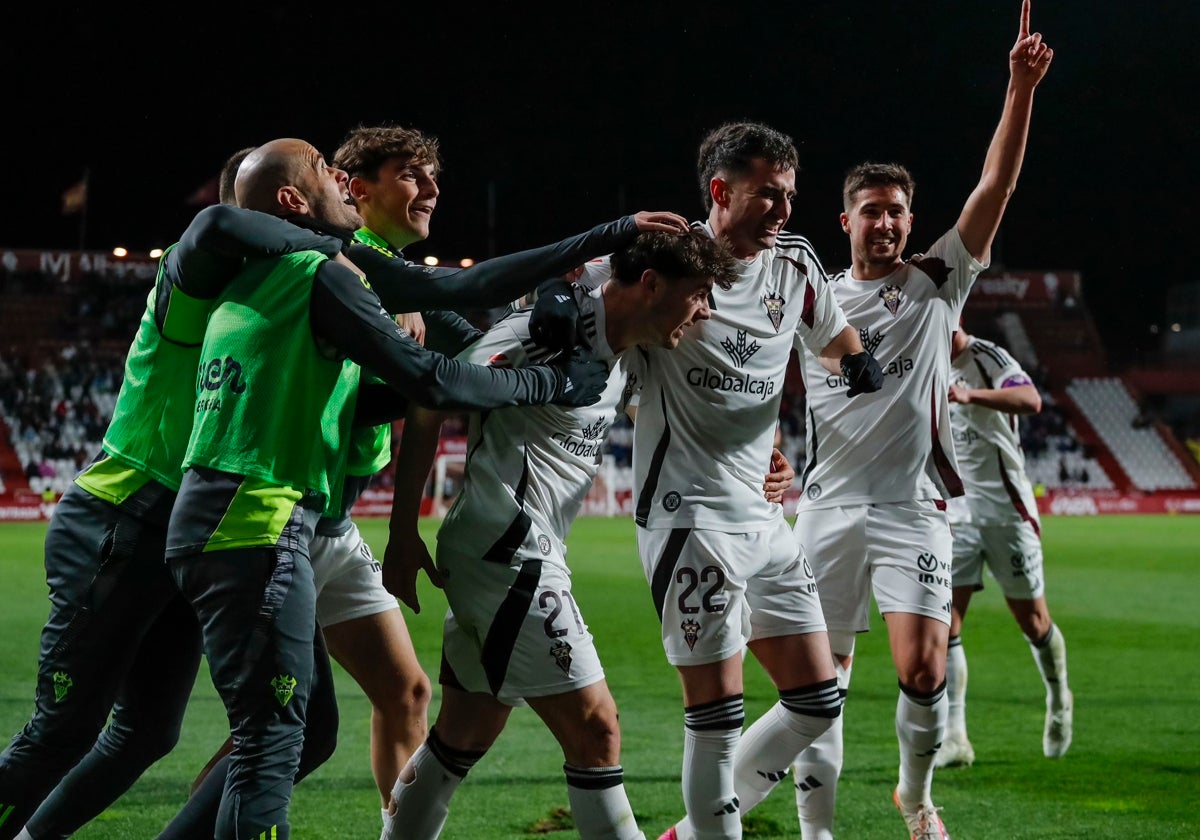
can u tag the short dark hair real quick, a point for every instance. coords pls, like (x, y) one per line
(733, 147)
(869, 175)
(676, 256)
(367, 148)
(229, 175)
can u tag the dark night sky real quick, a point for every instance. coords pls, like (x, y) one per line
(579, 116)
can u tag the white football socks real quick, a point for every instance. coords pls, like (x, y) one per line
(920, 726)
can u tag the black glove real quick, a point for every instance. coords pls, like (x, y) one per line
(582, 378)
(554, 321)
(862, 372)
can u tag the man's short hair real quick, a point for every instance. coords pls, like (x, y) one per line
(367, 148)
(229, 175)
(869, 175)
(676, 256)
(732, 148)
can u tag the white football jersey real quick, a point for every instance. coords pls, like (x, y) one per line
(707, 411)
(895, 444)
(988, 442)
(530, 467)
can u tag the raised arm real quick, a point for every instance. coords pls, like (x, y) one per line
(980, 219)
(405, 287)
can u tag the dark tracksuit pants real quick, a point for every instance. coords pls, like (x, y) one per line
(257, 612)
(108, 585)
(198, 819)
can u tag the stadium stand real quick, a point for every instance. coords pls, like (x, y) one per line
(1136, 443)
(68, 318)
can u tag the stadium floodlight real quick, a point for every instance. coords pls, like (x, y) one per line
(431, 261)
(466, 262)
(1176, 327)
(120, 252)
(155, 253)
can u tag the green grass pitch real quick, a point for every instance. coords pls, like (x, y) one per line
(1123, 590)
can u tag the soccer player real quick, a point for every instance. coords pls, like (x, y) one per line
(999, 528)
(119, 636)
(278, 385)
(871, 516)
(723, 568)
(393, 180)
(514, 633)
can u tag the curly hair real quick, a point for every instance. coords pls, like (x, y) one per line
(676, 256)
(367, 148)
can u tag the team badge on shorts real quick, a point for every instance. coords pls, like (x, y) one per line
(285, 688)
(774, 304)
(813, 491)
(561, 651)
(891, 298)
(691, 632)
(671, 501)
(544, 544)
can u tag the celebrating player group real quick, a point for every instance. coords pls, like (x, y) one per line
(284, 333)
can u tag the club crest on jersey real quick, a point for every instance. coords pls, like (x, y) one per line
(561, 651)
(870, 344)
(543, 544)
(593, 431)
(691, 632)
(740, 351)
(774, 303)
(891, 297)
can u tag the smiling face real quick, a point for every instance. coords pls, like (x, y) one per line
(289, 177)
(329, 196)
(750, 209)
(878, 222)
(399, 202)
(676, 305)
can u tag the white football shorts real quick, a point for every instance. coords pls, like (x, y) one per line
(513, 630)
(716, 591)
(1012, 552)
(900, 552)
(348, 578)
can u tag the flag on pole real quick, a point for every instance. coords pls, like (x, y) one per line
(74, 198)
(205, 194)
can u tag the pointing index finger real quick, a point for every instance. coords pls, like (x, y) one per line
(1024, 20)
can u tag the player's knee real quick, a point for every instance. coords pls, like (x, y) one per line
(1036, 624)
(141, 742)
(596, 741)
(412, 699)
(924, 686)
(923, 678)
